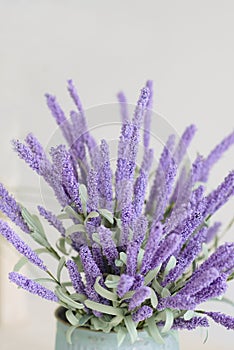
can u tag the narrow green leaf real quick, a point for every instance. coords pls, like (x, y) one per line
(83, 197)
(61, 264)
(72, 213)
(151, 275)
(165, 293)
(112, 281)
(75, 228)
(78, 297)
(205, 250)
(84, 319)
(154, 299)
(189, 315)
(131, 327)
(128, 295)
(116, 320)
(154, 331)
(63, 216)
(69, 334)
(123, 257)
(92, 214)
(72, 318)
(96, 238)
(39, 239)
(107, 215)
(60, 244)
(140, 257)
(39, 225)
(45, 280)
(110, 310)
(169, 319)
(170, 265)
(67, 300)
(121, 334)
(157, 287)
(18, 266)
(104, 292)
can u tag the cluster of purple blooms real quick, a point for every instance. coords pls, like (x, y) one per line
(150, 246)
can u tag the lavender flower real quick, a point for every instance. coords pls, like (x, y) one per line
(148, 113)
(11, 209)
(139, 297)
(98, 257)
(215, 155)
(225, 320)
(60, 117)
(123, 106)
(184, 143)
(140, 229)
(105, 179)
(151, 246)
(124, 285)
(166, 248)
(92, 188)
(19, 245)
(138, 282)
(25, 153)
(132, 254)
(217, 288)
(139, 192)
(212, 231)
(91, 269)
(52, 219)
(142, 314)
(108, 246)
(32, 286)
(75, 277)
(180, 323)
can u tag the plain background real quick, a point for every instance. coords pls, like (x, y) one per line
(186, 47)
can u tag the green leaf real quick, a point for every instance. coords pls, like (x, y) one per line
(110, 310)
(75, 228)
(154, 299)
(170, 265)
(116, 320)
(63, 216)
(154, 331)
(61, 264)
(83, 197)
(123, 257)
(39, 225)
(189, 315)
(60, 244)
(45, 280)
(84, 319)
(72, 213)
(22, 261)
(157, 287)
(205, 250)
(151, 275)
(112, 281)
(67, 300)
(39, 239)
(78, 297)
(131, 327)
(169, 319)
(140, 257)
(104, 292)
(107, 215)
(69, 334)
(72, 318)
(92, 214)
(121, 334)
(96, 238)
(165, 293)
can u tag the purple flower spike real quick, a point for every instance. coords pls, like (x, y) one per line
(166, 248)
(180, 323)
(32, 286)
(93, 190)
(91, 269)
(139, 297)
(105, 178)
(216, 289)
(60, 117)
(52, 219)
(123, 106)
(184, 142)
(139, 230)
(141, 105)
(139, 192)
(215, 155)
(202, 281)
(220, 196)
(132, 254)
(225, 320)
(124, 285)
(142, 314)
(11, 209)
(151, 247)
(25, 153)
(108, 246)
(212, 231)
(75, 277)
(147, 119)
(19, 245)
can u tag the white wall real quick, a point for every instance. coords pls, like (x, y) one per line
(185, 46)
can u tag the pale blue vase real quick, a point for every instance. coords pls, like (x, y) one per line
(85, 339)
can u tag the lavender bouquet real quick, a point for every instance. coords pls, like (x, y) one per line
(136, 259)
